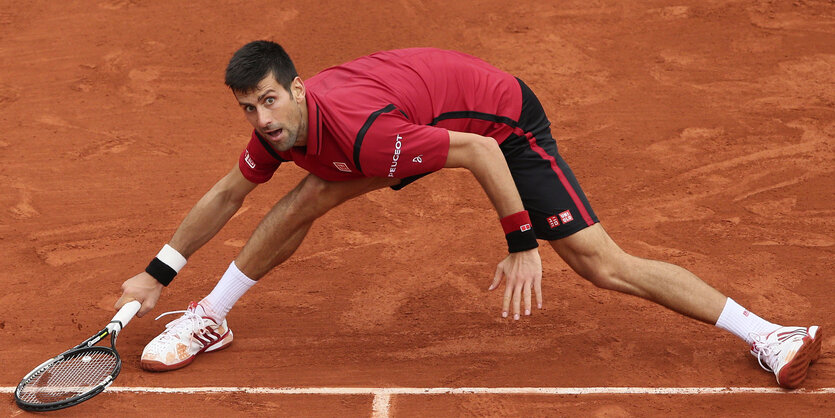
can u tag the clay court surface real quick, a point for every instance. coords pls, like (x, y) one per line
(703, 133)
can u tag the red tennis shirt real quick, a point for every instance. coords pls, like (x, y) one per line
(388, 115)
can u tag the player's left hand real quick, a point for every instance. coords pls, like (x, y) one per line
(523, 271)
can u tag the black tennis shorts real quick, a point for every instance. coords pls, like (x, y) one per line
(550, 192)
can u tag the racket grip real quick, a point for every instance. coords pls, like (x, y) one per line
(124, 316)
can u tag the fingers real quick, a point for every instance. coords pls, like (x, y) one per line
(522, 272)
(146, 307)
(121, 302)
(517, 300)
(143, 288)
(519, 291)
(527, 294)
(513, 292)
(497, 278)
(538, 290)
(508, 295)
(124, 299)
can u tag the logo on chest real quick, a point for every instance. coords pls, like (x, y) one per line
(342, 167)
(248, 160)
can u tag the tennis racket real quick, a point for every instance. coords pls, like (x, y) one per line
(77, 374)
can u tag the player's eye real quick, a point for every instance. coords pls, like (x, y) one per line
(249, 108)
(269, 100)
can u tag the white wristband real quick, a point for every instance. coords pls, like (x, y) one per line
(172, 258)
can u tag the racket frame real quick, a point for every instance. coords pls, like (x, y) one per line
(113, 328)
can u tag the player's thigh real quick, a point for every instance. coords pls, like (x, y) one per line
(325, 194)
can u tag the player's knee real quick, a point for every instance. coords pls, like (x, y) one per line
(310, 197)
(312, 189)
(603, 269)
(604, 277)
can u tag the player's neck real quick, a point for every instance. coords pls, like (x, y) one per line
(301, 141)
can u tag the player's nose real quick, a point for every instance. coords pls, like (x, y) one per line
(265, 119)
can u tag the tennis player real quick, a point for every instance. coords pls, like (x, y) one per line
(385, 120)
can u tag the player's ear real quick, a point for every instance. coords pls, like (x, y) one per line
(297, 89)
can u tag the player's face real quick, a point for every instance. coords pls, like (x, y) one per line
(280, 116)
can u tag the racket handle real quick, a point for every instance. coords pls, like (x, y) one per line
(124, 316)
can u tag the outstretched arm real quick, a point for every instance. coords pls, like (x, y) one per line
(523, 270)
(211, 212)
(204, 220)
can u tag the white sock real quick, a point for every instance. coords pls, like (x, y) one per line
(742, 323)
(229, 289)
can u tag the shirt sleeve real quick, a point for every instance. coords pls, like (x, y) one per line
(392, 146)
(257, 163)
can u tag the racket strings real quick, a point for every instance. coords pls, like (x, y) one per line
(74, 375)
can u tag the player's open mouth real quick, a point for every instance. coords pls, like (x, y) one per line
(273, 135)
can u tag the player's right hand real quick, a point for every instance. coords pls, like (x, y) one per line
(142, 287)
(523, 272)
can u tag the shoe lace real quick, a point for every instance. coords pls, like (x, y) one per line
(765, 350)
(190, 321)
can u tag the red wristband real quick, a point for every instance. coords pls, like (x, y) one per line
(519, 221)
(519, 232)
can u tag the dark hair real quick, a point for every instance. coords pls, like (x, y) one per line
(256, 60)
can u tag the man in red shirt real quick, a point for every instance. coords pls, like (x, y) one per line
(386, 120)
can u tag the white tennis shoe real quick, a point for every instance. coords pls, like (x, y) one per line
(788, 352)
(183, 339)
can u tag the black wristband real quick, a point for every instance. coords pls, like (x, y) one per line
(518, 241)
(160, 271)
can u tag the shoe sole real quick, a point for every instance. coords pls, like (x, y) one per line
(158, 366)
(793, 373)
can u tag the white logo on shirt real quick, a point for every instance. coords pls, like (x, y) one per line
(248, 160)
(342, 166)
(418, 159)
(396, 156)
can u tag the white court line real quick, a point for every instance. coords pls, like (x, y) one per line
(380, 406)
(387, 392)
(382, 396)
